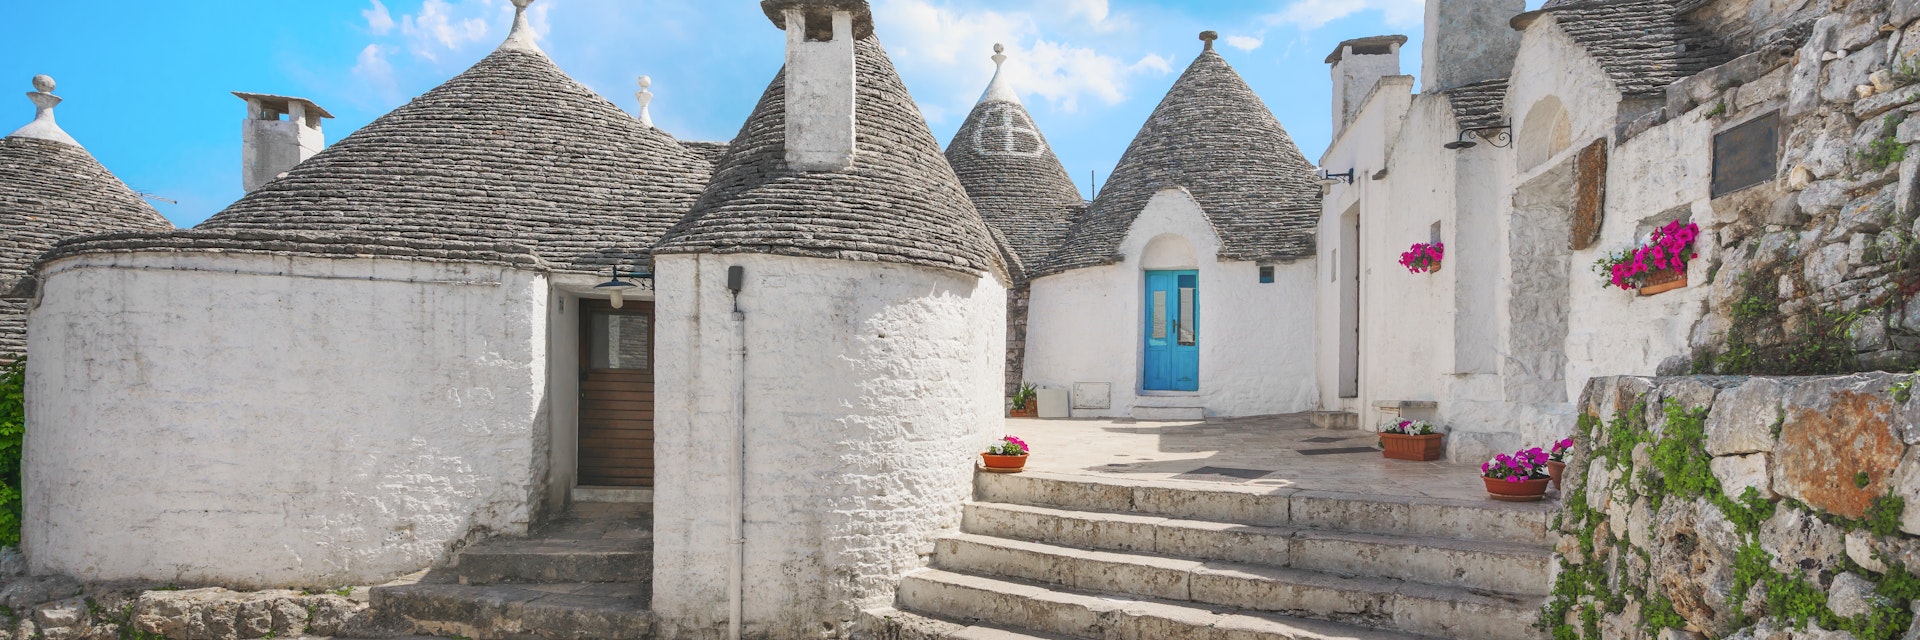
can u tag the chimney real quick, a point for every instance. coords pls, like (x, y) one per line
(1357, 65)
(1468, 41)
(279, 132)
(819, 80)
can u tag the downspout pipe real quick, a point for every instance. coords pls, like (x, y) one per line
(736, 561)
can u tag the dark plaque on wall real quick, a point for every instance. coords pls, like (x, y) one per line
(1746, 155)
(1589, 195)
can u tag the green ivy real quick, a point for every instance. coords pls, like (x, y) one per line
(13, 429)
(1883, 515)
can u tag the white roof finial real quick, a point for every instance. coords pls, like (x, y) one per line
(999, 90)
(645, 96)
(521, 38)
(43, 126)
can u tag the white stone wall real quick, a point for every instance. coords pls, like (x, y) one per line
(259, 421)
(1257, 343)
(869, 389)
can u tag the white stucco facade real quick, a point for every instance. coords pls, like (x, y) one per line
(868, 390)
(260, 421)
(1256, 342)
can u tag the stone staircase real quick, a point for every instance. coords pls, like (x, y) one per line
(1168, 408)
(586, 575)
(1058, 556)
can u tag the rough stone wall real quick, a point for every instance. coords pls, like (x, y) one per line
(1018, 299)
(1814, 272)
(270, 421)
(1741, 507)
(869, 389)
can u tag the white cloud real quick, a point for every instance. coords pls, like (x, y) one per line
(1313, 14)
(379, 21)
(441, 26)
(930, 39)
(373, 69)
(1244, 43)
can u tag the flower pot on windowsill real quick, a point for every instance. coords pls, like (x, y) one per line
(1663, 281)
(1405, 447)
(1002, 464)
(1523, 491)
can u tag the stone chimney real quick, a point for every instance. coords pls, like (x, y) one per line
(279, 132)
(1357, 65)
(820, 78)
(1468, 41)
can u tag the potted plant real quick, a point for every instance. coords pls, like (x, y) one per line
(1417, 440)
(1557, 460)
(1658, 266)
(1423, 257)
(1521, 477)
(1006, 455)
(1024, 405)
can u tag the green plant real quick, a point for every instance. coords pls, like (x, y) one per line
(1902, 390)
(13, 429)
(343, 592)
(1886, 150)
(1718, 110)
(1024, 397)
(1883, 514)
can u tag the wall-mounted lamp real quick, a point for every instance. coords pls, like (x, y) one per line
(1501, 137)
(617, 289)
(1328, 179)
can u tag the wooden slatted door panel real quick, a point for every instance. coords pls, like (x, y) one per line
(616, 395)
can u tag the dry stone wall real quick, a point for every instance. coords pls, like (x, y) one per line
(1741, 507)
(1815, 269)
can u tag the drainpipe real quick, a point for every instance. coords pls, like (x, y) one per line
(736, 575)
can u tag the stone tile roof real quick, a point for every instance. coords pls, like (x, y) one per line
(1014, 179)
(299, 243)
(900, 202)
(1481, 104)
(50, 191)
(712, 152)
(512, 150)
(1214, 136)
(1644, 45)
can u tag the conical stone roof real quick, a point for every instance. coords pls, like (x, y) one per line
(512, 150)
(50, 191)
(900, 202)
(1212, 135)
(1016, 183)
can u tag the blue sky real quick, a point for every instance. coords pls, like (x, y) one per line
(147, 83)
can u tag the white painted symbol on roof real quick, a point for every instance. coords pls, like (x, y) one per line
(1007, 132)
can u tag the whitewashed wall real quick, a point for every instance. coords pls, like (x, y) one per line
(258, 421)
(1257, 342)
(870, 389)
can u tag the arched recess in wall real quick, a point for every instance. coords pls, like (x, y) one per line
(1546, 132)
(1168, 251)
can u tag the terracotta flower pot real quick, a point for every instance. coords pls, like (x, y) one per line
(1003, 464)
(1030, 410)
(1404, 447)
(1524, 491)
(1663, 281)
(1554, 469)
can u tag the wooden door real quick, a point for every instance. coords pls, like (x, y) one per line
(1172, 336)
(616, 395)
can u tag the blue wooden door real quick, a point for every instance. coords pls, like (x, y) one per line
(1172, 332)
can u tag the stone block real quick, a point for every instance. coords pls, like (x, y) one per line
(1852, 71)
(1850, 596)
(1218, 506)
(1786, 210)
(1689, 393)
(1860, 550)
(1326, 510)
(1908, 318)
(1803, 89)
(1821, 144)
(1739, 473)
(1827, 267)
(1907, 484)
(1856, 36)
(1822, 196)
(1223, 541)
(1902, 12)
(1866, 214)
(1769, 86)
(1744, 417)
(1869, 333)
(1836, 431)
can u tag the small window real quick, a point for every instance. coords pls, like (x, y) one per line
(1266, 275)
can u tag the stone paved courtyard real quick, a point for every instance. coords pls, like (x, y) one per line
(1278, 451)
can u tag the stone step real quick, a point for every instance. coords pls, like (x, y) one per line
(551, 560)
(1388, 604)
(605, 611)
(1523, 523)
(1044, 609)
(1490, 566)
(894, 624)
(1167, 414)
